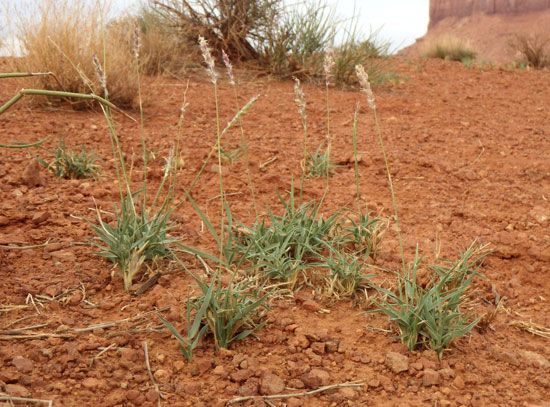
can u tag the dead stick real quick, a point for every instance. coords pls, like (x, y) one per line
(49, 403)
(289, 395)
(148, 366)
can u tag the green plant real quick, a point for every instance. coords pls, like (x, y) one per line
(346, 274)
(195, 331)
(318, 164)
(137, 235)
(449, 48)
(364, 234)
(72, 165)
(432, 316)
(534, 49)
(282, 249)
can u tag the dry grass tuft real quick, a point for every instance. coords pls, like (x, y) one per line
(449, 48)
(533, 49)
(64, 36)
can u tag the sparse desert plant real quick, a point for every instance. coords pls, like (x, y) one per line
(364, 233)
(433, 316)
(346, 274)
(70, 164)
(317, 164)
(281, 249)
(137, 235)
(534, 49)
(63, 37)
(449, 48)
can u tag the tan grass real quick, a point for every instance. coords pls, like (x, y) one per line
(63, 36)
(449, 48)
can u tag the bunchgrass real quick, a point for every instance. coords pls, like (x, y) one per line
(317, 164)
(534, 49)
(363, 234)
(433, 316)
(70, 164)
(346, 274)
(449, 48)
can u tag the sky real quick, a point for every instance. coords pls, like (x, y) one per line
(400, 22)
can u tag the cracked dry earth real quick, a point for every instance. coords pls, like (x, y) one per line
(469, 153)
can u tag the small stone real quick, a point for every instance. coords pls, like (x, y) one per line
(132, 395)
(40, 217)
(31, 176)
(152, 396)
(271, 384)
(430, 378)
(241, 375)
(331, 346)
(63, 256)
(458, 383)
(310, 305)
(535, 359)
(162, 376)
(22, 364)
(374, 383)
(91, 383)
(16, 390)
(397, 362)
(316, 378)
(219, 370)
(318, 347)
(216, 169)
(4, 221)
(348, 393)
(249, 387)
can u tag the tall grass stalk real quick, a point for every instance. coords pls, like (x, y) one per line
(366, 88)
(211, 69)
(356, 159)
(328, 67)
(244, 140)
(300, 100)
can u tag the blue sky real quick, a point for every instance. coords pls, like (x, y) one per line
(398, 21)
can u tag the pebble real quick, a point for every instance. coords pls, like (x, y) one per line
(91, 383)
(271, 384)
(31, 176)
(22, 364)
(16, 390)
(316, 378)
(397, 362)
(430, 378)
(310, 305)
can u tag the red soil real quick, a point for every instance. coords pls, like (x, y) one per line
(469, 155)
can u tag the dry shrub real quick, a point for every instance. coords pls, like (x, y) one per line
(449, 48)
(63, 37)
(534, 49)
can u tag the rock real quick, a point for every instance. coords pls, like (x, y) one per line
(40, 217)
(16, 390)
(447, 373)
(161, 376)
(133, 394)
(91, 383)
(22, 364)
(316, 378)
(271, 384)
(374, 383)
(216, 169)
(458, 382)
(4, 221)
(318, 347)
(249, 388)
(151, 396)
(348, 393)
(63, 256)
(534, 359)
(397, 362)
(430, 378)
(331, 346)
(310, 305)
(219, 370)
(241, 375)
(31, 176)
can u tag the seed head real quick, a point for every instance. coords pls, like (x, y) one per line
(100, 74)
(229, 67)
(328, 66)
(300, 99)
(136, 42)
(365, 85)
(208, 60)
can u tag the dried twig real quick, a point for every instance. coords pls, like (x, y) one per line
(301, 394)
(148, 366)
(48, 403)
(104, 350)
(532, 328)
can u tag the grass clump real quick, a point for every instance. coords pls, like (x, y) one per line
(62, 37)
(136, 236)
(346, 274)
(228, 312)
(449, 48)
(72, 165)
(432, 316)
(363, 234)
(281, 250)
(534, 50)
(318, 164)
